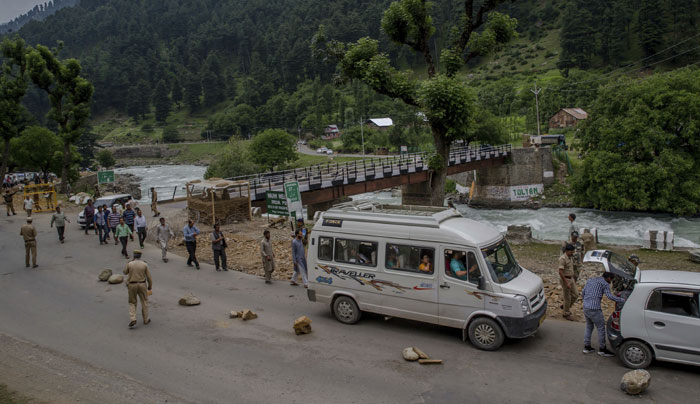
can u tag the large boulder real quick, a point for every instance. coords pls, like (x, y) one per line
(302, 325)
(104, 275)
(116, 279)
(247, 315)
(695, 255)
(189, 300)
(409, 354)
(635, 382)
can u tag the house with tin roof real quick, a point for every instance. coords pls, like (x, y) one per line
(567, 118)
(380, 123)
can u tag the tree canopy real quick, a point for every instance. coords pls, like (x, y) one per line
(273, 147)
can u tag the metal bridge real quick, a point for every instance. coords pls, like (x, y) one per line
(328, 182)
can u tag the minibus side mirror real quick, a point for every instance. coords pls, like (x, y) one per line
(482, 283)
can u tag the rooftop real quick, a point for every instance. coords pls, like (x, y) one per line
(382, 122)
(577, 113)
(668, 276)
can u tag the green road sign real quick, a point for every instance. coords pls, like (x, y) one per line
(291, 190)
(105, 177)
(276, 203)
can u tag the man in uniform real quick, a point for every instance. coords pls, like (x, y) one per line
(268, 256)
(28, 233)
(566, 279)
(9, 201)
(588, 240)
(579, 252)
(163, 234)
(137, 275)
(154, 202)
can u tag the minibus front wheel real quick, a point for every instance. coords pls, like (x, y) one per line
(346, 310)
(485, 334)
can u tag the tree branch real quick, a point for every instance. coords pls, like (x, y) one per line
(472, 23)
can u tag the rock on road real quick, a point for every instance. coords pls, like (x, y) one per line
(58, 320)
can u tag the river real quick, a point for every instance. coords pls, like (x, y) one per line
(622, 228)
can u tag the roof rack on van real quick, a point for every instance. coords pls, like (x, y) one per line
(375, 212)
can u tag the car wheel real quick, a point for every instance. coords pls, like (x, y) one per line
(346, 310)
(635, 354)
(486, 334)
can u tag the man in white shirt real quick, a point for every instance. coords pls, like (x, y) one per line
(163, 234)
(140, 224)
(28, 205)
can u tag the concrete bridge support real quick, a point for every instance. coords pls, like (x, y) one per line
(312, 208)
(416, 194)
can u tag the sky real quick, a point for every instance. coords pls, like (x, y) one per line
(9, 9)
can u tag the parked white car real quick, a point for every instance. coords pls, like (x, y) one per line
(660, 318)
(322, 150)
(329, 151)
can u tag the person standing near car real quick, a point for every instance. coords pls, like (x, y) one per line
(592, 295)
(218, 245)
(190, 231)
(579, 252)
(163, 234)
(140, 223)
(89, 215)
(566, 279)
(299, 259)
(100, 225)
(60, 219)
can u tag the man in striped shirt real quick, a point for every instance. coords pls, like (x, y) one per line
(129, 216)
(592, 295)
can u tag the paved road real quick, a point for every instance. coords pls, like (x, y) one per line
(197, 354)
(305, 149)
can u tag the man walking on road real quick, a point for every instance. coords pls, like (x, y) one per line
(163, 234)
(218, 244)
(122, 233)
(113, 220)
(190, 231)
(566, 279)
(129, 216)
(140, 223)
(28, 233)
(100, 225)
(592, 295)
(28, 206)
(268, 256)
(89, 214)
(154, 202)
(299, 259)
(9, 201)
(137, 275)
(60, 219)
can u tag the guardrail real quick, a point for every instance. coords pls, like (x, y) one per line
(334, 174)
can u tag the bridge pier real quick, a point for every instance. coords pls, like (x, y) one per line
(312, 208)
(416, 194)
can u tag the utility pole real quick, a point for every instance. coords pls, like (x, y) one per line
(536, 91)
(362, 133)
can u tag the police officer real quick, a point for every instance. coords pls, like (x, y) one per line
(566, 279)
(28, 233)
(579, 252)
(154, 202)
(9, 202)
(137, 277)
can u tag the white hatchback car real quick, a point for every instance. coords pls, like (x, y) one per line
(660, 318)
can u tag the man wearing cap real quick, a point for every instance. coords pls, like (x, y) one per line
(566, 279)
(9, 201)
(154, 202)
(28, 233)
(579, 252)
(137, 276)
(163, 234)
(588, 240)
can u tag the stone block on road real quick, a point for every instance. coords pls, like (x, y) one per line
(104, 275)
(635, 382)
(115, 279)
(189, 300)
(302, 325)
(409, 354)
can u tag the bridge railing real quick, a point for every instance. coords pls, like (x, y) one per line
(366, 169)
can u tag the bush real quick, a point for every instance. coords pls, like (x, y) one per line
(171, 135)
(234, 160)
(106, 159)
(450, 186)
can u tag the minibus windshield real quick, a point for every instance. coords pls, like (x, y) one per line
(501, 262)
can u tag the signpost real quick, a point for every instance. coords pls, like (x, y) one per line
(276, 203)
(291, 191)
(105, 177)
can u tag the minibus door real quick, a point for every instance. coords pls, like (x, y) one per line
(458, 292)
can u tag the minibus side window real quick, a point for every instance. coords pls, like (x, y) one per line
(356, 252)
(410, 258)
(325, 248)
(462, 265)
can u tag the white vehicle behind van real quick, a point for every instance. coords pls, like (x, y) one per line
(425, 264)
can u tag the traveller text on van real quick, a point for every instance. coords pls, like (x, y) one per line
(425, 264)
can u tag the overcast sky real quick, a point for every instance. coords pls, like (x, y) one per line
(9, 9)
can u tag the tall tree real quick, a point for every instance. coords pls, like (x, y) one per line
(177, 95)
(13, 87)
(213, 84)
(651, 26)
(161, 101)
(38, 149)
(447, 102)
(273, 147)
(193, 92)
(69, 95)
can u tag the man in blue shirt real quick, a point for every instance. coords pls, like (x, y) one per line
(191, 232)
(459, 269)
(592, 296)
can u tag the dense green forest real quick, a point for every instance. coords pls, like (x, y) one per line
(247, 65)
(39, 12)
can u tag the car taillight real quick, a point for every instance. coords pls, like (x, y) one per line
(615, 323)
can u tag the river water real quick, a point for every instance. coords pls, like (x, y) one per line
(622, 228)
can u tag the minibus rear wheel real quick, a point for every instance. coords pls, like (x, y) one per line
(486, 334)
(346, 310)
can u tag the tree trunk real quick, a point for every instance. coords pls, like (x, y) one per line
(5, 159)
(437, 182)
(66, 166)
